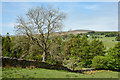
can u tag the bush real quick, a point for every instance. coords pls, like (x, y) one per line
(110, 61)
(117, 38)
(114, 57)
(99, 62)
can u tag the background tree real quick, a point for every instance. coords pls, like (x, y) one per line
(39, 25)
(97, 48)
(0, 45)
(113, 55)
(110, 60)
(118, 37)
(6, 45)
(20, 47)
(77, 52)
(57, 50)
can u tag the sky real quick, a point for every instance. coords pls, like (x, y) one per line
(98, 16)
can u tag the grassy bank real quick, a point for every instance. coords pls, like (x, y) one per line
(0, 72)
(46, 73)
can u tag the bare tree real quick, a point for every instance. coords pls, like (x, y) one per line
(39, 24)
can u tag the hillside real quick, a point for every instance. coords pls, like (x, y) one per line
(73, 32)
(78, 32)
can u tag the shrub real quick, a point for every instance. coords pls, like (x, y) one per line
(113, 54)
(99, 62)
(117, 38)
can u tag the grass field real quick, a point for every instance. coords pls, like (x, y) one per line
(46, 73)
(0, 73)
(109, 42)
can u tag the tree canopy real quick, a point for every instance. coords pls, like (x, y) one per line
(39, 24)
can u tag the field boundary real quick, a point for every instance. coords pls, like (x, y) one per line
(13, 62)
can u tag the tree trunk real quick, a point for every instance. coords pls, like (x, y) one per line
(44, 56)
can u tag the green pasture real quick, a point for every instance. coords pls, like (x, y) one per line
(109, 42)
(0, 73)
(47, 73)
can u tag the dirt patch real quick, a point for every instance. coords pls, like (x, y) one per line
(95, 71)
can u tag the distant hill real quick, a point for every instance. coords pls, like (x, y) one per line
(74, 32)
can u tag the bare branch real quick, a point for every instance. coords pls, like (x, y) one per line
(39, 24)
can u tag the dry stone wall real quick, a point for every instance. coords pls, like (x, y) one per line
(24, 64)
